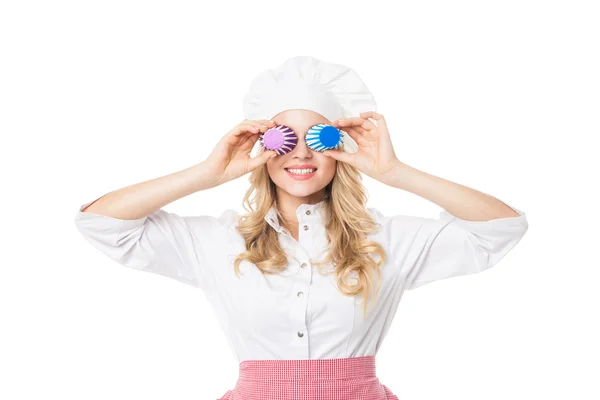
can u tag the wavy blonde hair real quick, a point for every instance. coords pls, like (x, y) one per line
(346, 220)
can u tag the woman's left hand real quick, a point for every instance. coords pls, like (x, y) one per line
(375, 156)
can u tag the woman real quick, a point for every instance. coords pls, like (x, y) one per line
(306, 284)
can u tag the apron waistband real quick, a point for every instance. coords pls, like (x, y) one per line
(351, 378)
(333, 368)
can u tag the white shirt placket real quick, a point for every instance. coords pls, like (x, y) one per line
(301, 251)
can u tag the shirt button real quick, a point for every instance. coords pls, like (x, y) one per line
(300, 294)
(307, 212)
(303, 265)
(305, 227)
(300, 334)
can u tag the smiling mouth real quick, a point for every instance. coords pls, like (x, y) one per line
(302, 171)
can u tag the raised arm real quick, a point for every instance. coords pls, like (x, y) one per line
(458, 200)
(473, 232)
(130, 226)
(141, 199)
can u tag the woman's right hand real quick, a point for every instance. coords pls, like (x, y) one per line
(230, 159)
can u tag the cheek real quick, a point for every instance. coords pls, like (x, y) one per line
(275, 167)
(271, 169)
(327, 170)
(328, 165)
(274, 164)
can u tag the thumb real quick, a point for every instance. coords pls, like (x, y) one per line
(338, 155)
(261, 159)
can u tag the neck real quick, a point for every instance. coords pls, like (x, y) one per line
(287, 206)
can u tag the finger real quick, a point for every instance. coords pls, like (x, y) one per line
(261, 159)
(362, 131)
(339, 155)
(266, 122)
(354, 121)
(357, 130)
(256, 124)
(358, 138)
(244, 128)
(372, 114)
(376, 116)
(237, 140)
(247, 137)
(262, 125)
(250, 126)
(238, 136)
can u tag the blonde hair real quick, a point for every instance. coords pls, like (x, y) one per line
(346, 220)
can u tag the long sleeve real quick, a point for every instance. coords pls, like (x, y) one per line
(425, 250)
(455, 247)
(163, 243)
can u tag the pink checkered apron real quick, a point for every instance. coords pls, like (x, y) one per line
(326, 379)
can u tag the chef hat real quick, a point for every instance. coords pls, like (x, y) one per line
(304, 82)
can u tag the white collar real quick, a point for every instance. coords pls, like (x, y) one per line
(304, 212)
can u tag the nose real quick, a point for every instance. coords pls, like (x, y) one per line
(301, 150)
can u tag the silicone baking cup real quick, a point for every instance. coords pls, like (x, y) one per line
(320, 137)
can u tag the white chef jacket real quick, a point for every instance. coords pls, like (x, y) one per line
(300, 314)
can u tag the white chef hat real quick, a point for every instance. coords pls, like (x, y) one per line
(303, 82)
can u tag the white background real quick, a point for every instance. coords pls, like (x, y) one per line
(499, 96)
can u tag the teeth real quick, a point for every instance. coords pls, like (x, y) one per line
(301, 171)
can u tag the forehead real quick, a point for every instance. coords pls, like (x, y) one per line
(300, 119)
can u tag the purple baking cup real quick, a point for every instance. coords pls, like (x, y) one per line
(281, 138)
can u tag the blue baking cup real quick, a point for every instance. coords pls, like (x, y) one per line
(323, 137)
